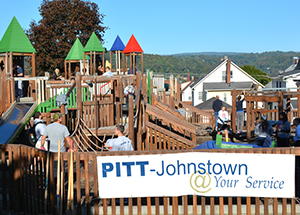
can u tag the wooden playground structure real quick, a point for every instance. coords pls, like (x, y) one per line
(94, 106)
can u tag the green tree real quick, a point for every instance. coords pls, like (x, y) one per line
(62, 22)
(259, 75)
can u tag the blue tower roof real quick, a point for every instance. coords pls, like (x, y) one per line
(118, 45)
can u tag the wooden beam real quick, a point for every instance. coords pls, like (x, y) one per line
(233, 112)
(170, 134)
(264, 98)
(131, 120)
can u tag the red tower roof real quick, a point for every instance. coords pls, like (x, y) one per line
(132, 46)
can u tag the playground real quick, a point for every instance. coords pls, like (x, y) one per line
(92, 106)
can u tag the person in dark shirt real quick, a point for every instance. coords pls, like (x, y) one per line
(240, 113)
(216, 106)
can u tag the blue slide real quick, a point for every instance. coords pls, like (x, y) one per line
(14, 120)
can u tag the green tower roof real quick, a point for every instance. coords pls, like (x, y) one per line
(76, 52)
(94, 44)
(15, 39)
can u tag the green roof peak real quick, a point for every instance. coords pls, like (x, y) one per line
(15, 39)
(94, 44)
(76, 52)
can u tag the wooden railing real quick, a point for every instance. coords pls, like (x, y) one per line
(23, 178)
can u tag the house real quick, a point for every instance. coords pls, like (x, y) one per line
(286, 80)
(224, 77)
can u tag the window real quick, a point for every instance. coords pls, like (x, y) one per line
(224, 74)
(200, 95)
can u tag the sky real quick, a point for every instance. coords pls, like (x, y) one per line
(171, 26)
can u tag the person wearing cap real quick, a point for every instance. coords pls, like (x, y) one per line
(262, 130)
(55, 132)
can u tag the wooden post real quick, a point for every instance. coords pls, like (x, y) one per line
(233, 113)
(142, 63)
(78, 96)
(69, 72)
(33, 65)
(131, 120)
(83, 64)
(248, 111)
(280, 103)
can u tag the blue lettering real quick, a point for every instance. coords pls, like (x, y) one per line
(208, 167)
(217, 180)
(281, 184)
(191, 164)
(202, 170)
(180, 165)
(162, 169)
(217, 164)
(118, 172)
(128, 165)
(250, 177)
(246, 168)
(174, 170)
(229, 169)
(106, 167)
(142, 166)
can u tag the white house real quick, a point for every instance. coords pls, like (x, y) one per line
(220, 81)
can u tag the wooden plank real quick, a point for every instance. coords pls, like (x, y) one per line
(4, 184)
(195, 205)
(166, 205)
(212, 205)
(96, 191)
(170, 134)
(87, 187)
(169, 118)
(78, 185)
(157, 205)
(203, 205)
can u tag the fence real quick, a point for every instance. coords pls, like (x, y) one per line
(22, 183)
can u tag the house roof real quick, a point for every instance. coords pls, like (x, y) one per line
(219, 65)
(118, 45)
(76, 52)
(207, 105)
(15, 39)
(203, 76)
(225, 86)
(94, 44)
(132, 46)
(292, 70)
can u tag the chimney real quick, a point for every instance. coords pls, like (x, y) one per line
(228, 72)
(188, 77)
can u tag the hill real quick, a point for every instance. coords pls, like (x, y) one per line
(199, 63)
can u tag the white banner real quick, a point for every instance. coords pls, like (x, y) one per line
(206, 174)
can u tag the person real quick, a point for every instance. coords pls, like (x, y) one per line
(262, 130)
(18, 72)
(130, 71)
(283, 130)
(181, 110)
(240, 114)
(296, 122)
(72, 80)
(56, 75)
(121, 143)
(55, 132)
(108, 72)
(129, 90)
(222, 122)
(216, 106)
(40, 127)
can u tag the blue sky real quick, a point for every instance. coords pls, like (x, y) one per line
(173, 26)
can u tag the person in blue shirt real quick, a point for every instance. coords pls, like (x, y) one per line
(240, 113)
(296, 122)
(283, 130)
